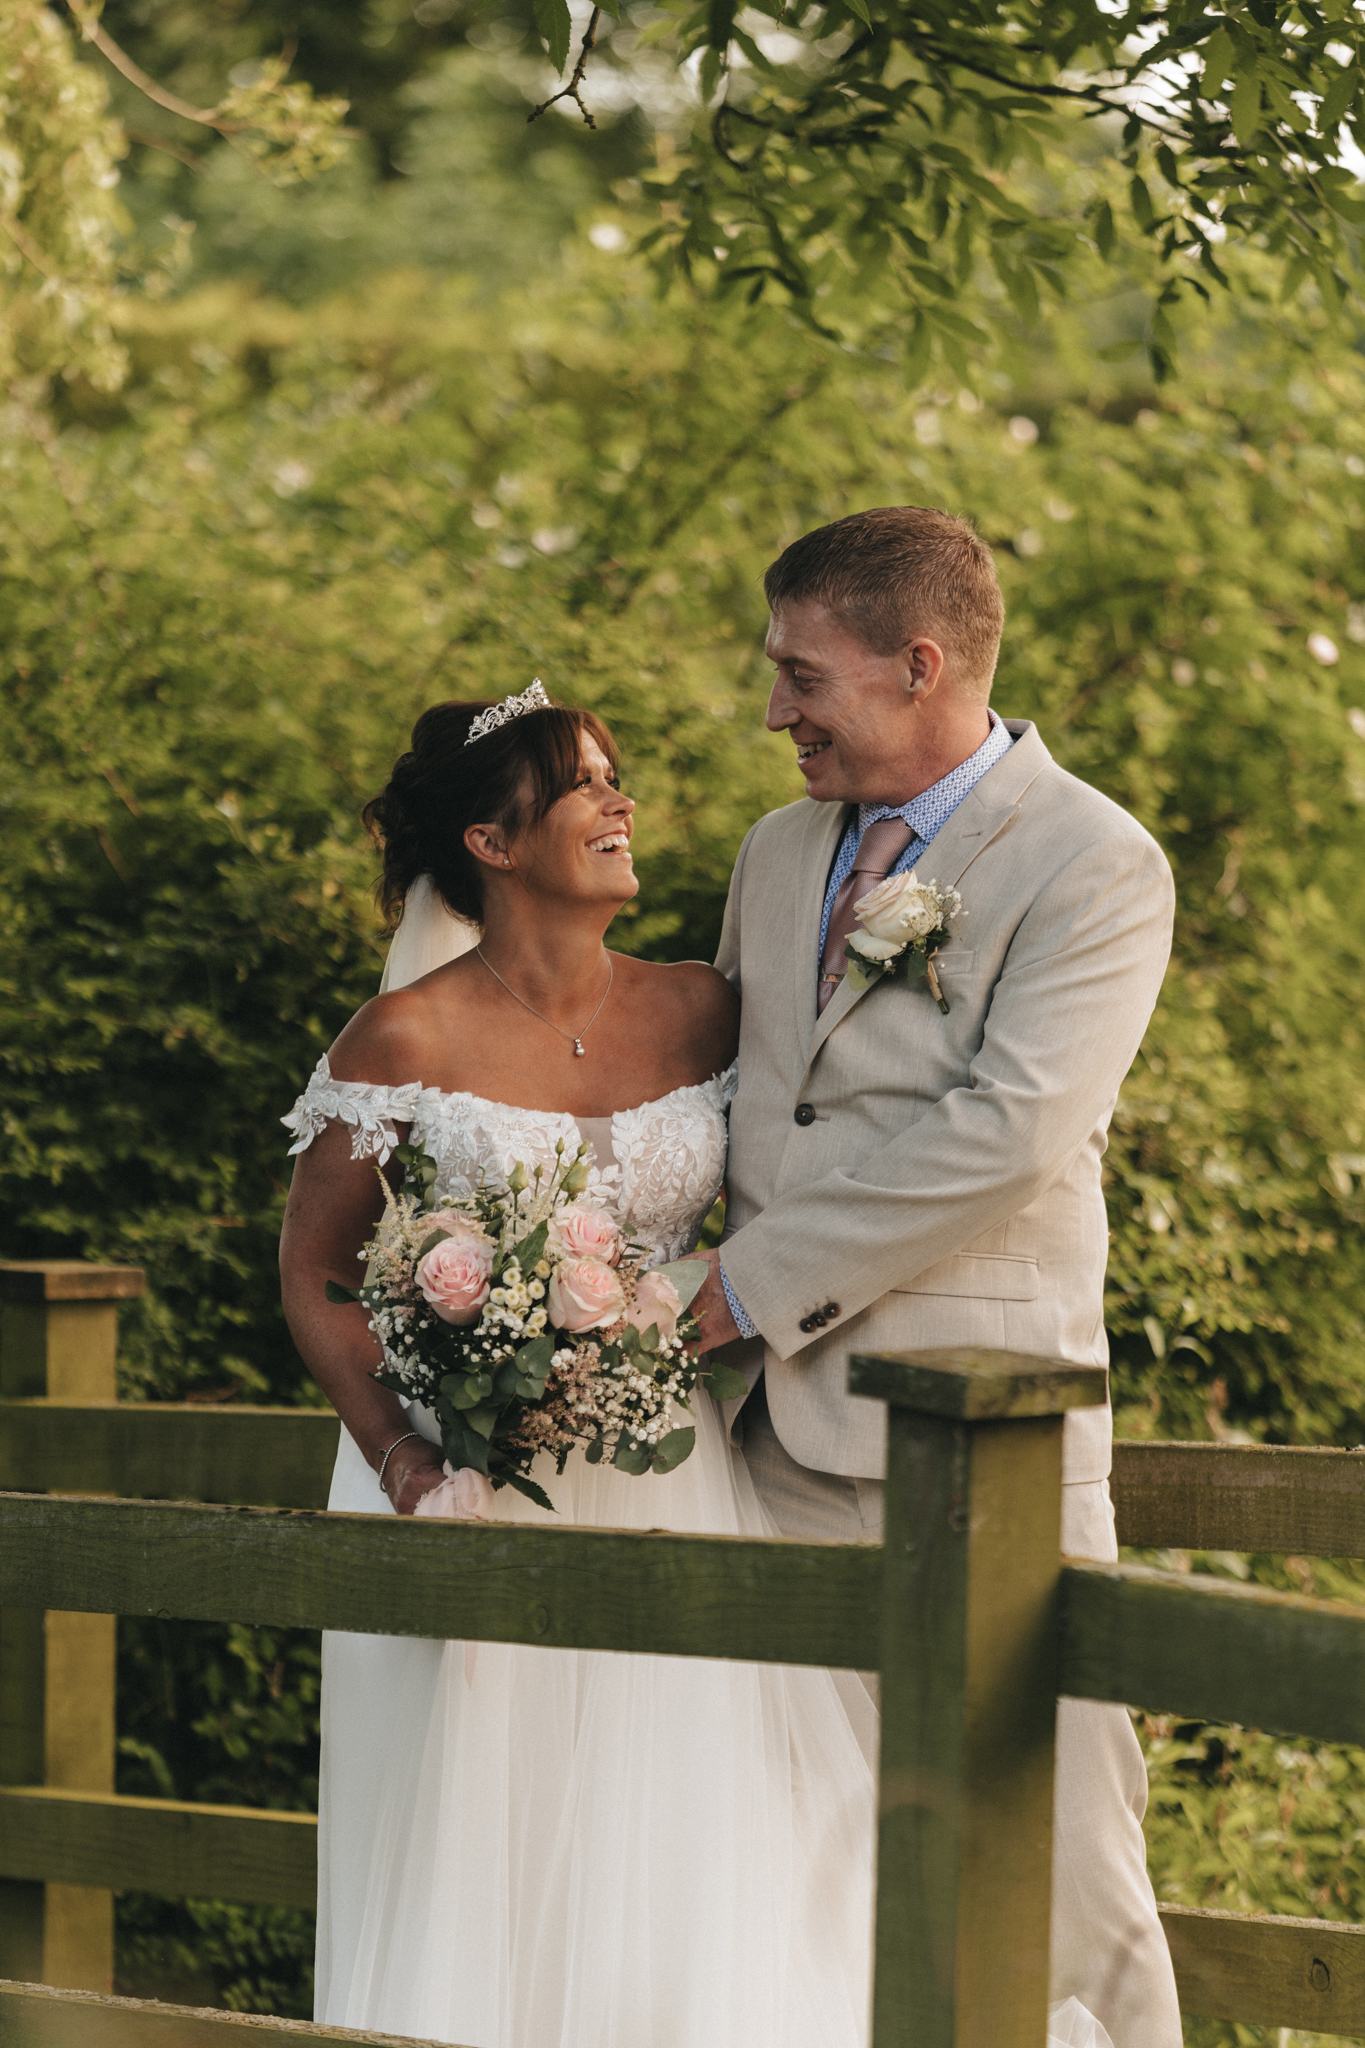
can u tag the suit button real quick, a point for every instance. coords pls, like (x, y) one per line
(829, 1311)
(804, 1113)
(806, 1324)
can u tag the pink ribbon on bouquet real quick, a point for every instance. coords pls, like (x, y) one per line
(463, 1496)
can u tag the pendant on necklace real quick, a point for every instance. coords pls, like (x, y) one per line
(579, 1048)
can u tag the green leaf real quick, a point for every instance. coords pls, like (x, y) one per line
(430, 1242)
(630, 1457)
(1218, 60)
(534, 1358)
(1140, 199)
(670, 1450)
(687, 1275)
(860, 8)
(1104, 229)
(555, 28)
(861, 976)
(482, 1419)
(593, 1454)
(1245, 107)
(340, 1294)
(522, 1484)
(723, 1383)
(529, 1253)
(1338, 99)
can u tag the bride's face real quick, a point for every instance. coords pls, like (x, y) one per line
(581, 847)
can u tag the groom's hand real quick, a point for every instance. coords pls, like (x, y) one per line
(712, 1310)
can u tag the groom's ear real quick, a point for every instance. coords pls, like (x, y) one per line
(923, 661)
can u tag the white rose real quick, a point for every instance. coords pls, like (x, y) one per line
(900, 909)
(869, 948)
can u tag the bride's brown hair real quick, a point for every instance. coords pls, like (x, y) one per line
(439, 788)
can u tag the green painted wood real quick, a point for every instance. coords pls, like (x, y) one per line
(34, 2016)
(1240, 1497)
(159, 1845)
(971, 1385)
(1269, 1971)
(1213, 1650)
(269, 1457)
(968, 1666)
(688, 1596)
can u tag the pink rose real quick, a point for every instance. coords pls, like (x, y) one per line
(583, 1295)
(454, 1275)
(658, 1305)
(463, 1496)
(580, 1232)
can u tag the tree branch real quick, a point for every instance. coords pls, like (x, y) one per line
(571, 90)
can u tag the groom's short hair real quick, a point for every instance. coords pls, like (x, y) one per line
(896, 571)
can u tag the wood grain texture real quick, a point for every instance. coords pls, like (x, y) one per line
(1269, 1971)
(688, 1596)
(68, 1280)
(976, 1385)
(34, 2016)
(1212, 1650)
(267, 1457)
(965, 1832)
(1240, 1497)
(159, 1845)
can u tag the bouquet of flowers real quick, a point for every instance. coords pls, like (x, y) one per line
(904, 922)
(528, 1322)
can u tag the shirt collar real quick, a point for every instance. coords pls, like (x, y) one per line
(933, 805)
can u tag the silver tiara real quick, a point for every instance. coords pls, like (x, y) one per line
(533, 699)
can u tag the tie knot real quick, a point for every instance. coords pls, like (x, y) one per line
(881, 846)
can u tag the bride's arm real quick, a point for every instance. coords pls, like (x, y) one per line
(334, 1203)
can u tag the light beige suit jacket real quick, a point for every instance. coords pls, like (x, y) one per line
(947, 1188)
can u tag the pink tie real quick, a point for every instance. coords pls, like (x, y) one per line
(880, 847)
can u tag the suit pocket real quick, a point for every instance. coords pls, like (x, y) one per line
(988, 1276)
(954, 960)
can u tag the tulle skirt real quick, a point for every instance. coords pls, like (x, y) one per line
(537, 1848)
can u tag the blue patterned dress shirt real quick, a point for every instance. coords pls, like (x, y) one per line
(926, 815)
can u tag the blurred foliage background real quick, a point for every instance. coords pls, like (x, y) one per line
(422, 425)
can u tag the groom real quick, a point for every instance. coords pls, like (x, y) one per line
(901, 1179)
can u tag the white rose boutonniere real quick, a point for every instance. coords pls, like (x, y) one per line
(904, 923)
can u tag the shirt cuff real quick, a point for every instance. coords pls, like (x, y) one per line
(744, 1324)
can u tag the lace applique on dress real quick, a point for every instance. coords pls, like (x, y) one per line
(669, 1154)
(371, 1111)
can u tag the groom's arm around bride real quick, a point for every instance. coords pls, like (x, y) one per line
(901, 1178)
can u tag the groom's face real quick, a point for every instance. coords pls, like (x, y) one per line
(849, 710)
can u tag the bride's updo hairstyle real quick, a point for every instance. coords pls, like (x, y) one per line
(509, 778)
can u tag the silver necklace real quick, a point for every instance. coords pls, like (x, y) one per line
(576, 1037)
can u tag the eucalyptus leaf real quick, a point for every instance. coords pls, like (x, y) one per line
(670, 1451)
(688, 1276)
(340, 1294)
(593, 1453)
(630, 1457)
(723, 1383)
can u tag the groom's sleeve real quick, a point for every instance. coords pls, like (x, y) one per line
(1066, 1018)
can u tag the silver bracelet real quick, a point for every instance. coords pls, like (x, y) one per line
(390, 1451)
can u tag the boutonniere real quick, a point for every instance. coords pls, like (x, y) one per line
(904, 923)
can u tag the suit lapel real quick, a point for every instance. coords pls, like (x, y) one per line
(981, 817)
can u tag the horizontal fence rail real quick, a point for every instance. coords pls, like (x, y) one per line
(1239, 1497)
(1269, 1970)
(1213, 1650)
(165, 1450)
(682, 1596)
(253, 1855)
(36, 2016)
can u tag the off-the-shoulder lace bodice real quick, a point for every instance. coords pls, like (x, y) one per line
(669, 1155)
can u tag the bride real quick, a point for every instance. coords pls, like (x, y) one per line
(523, 1847)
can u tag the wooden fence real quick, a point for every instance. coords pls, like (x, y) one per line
(970, 1563)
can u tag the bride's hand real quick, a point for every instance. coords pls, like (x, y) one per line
(413, 1470)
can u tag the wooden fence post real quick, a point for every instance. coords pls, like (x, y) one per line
(58, 1341)
(969, 1659)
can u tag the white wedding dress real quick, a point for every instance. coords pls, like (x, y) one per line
(537, 1848)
